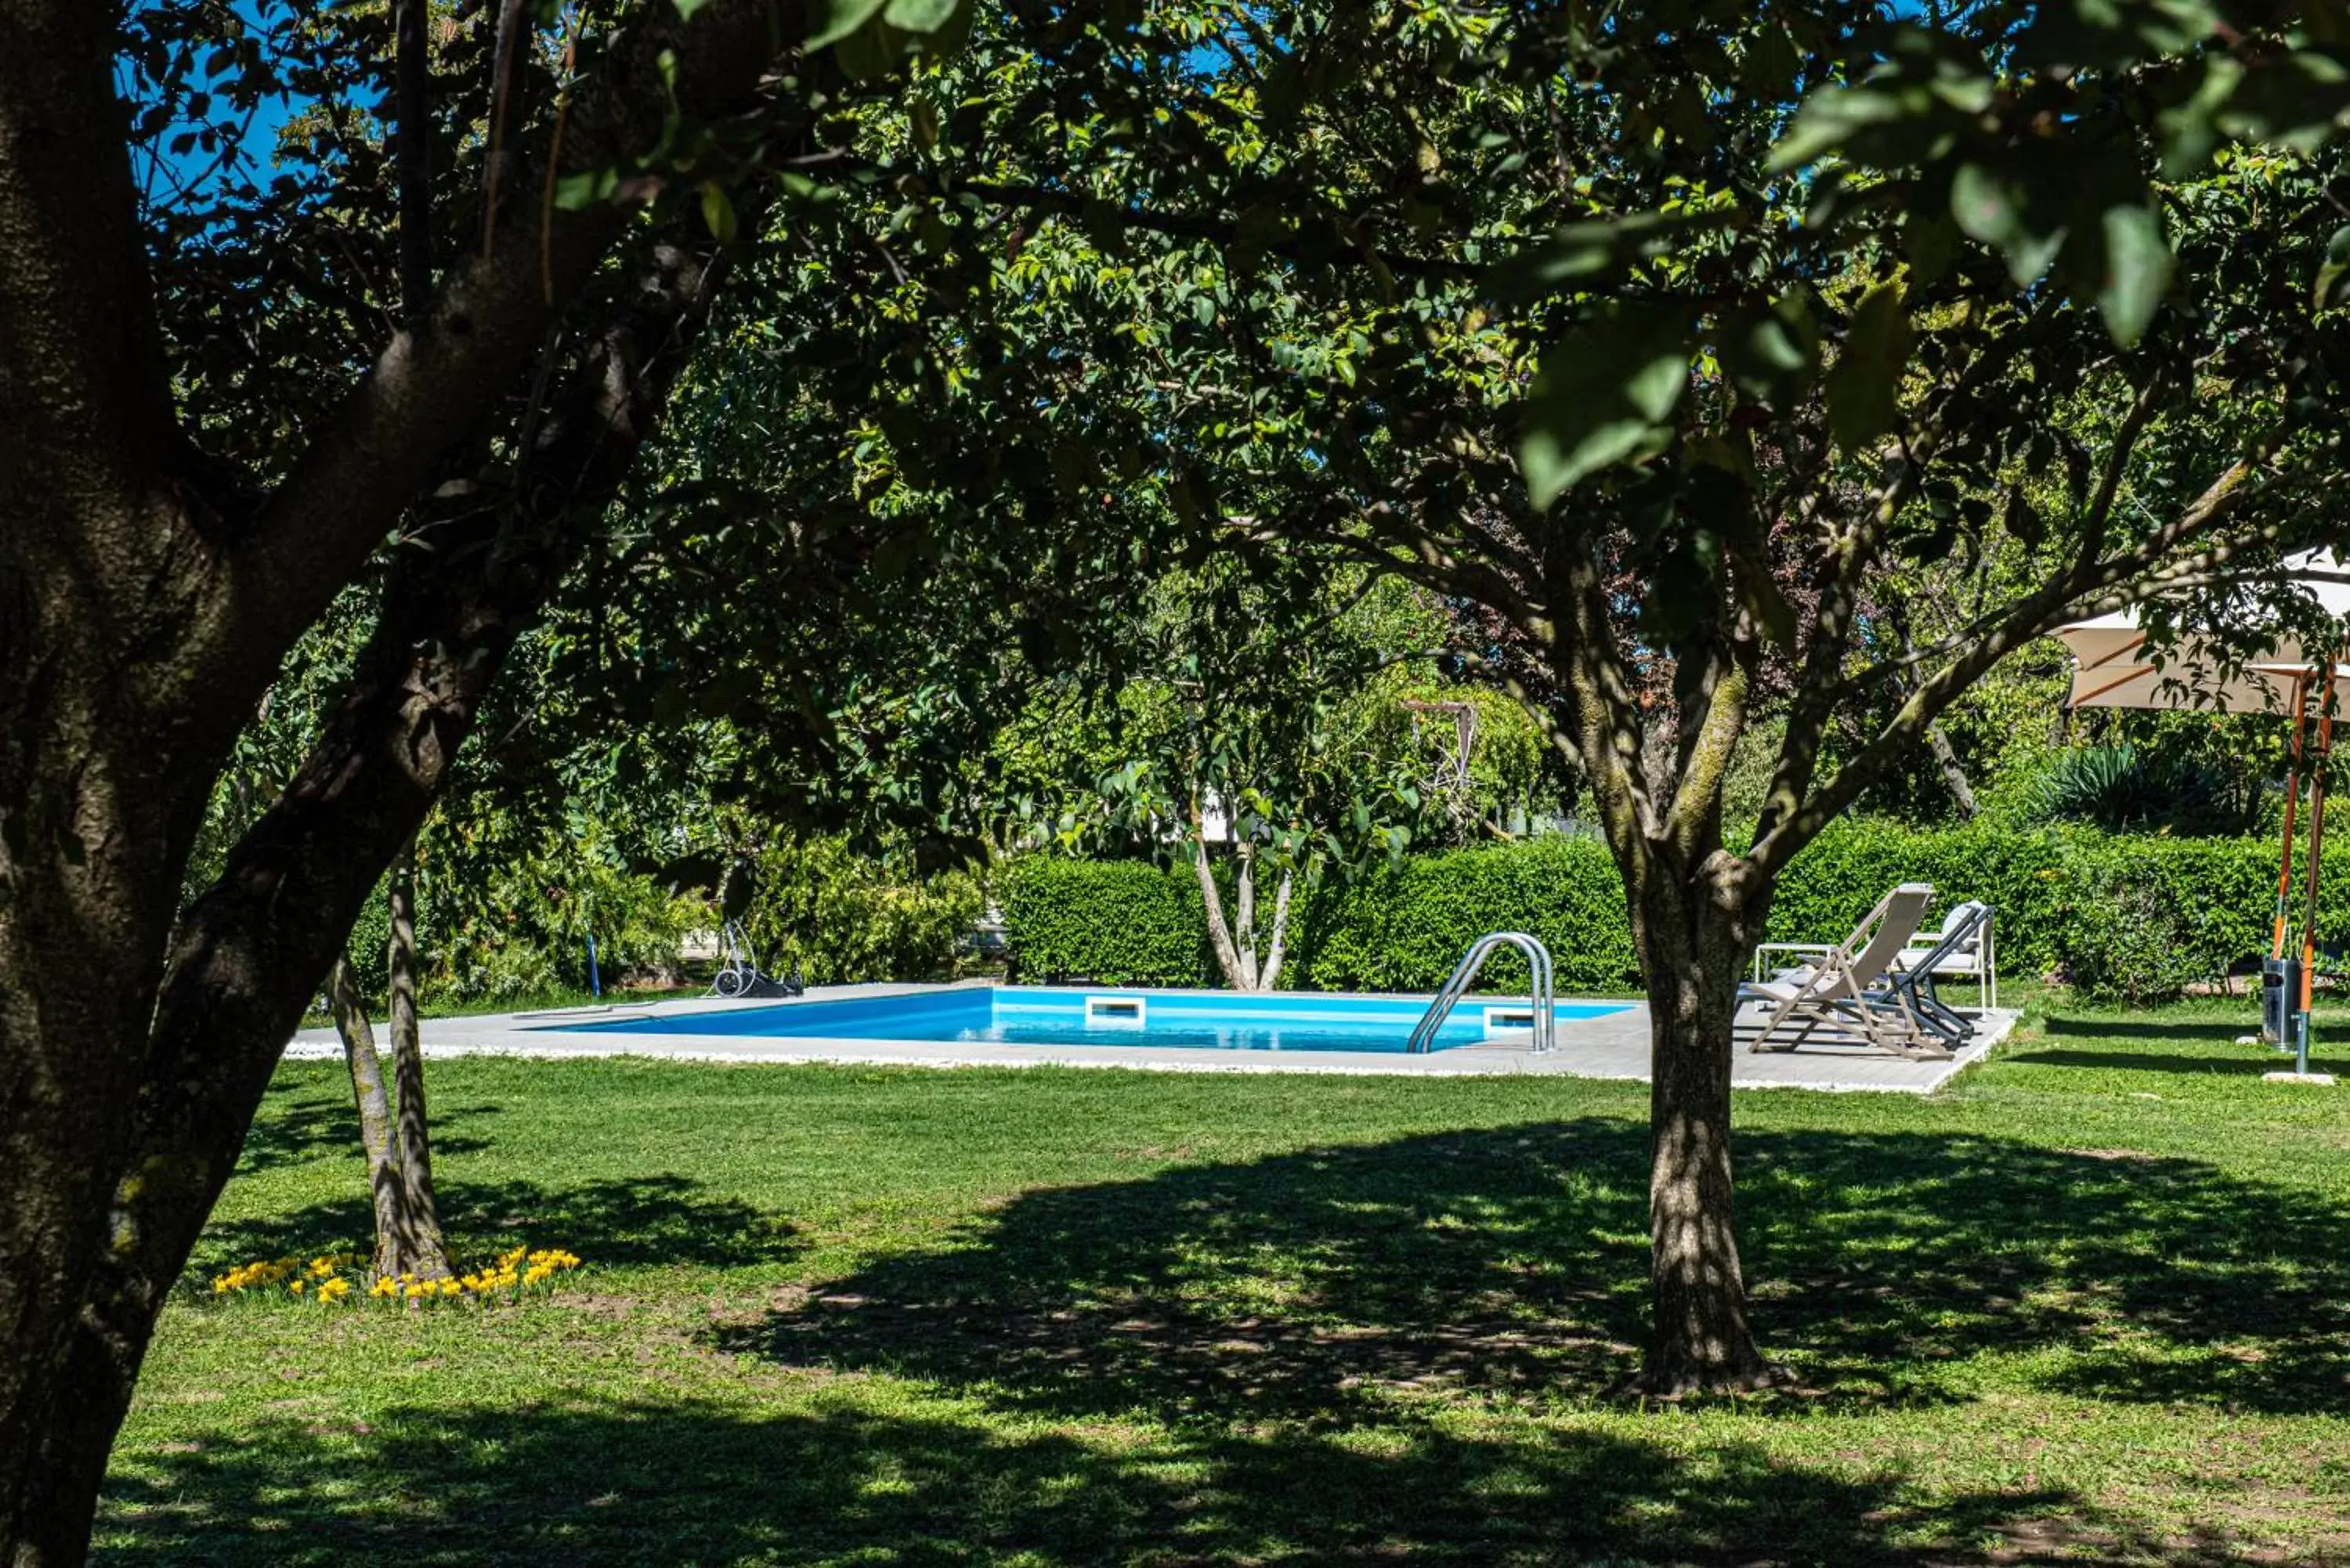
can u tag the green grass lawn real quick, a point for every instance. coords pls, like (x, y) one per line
(2092, 1303)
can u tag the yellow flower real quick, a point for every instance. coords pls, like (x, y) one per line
(295, 1287)
(334, 1290)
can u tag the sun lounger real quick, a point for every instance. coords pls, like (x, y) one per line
(1846, 991)
(1962, 948)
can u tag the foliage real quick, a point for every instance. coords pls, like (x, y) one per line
(1123, 922)
(2133, 916)
(831, 913)
(2127, 938)
(2118, 787)
(1404, 927)
(517, 923)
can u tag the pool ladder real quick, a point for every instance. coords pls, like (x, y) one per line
(1545, 1020)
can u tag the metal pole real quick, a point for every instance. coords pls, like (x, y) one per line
(595, 982)
(2316, 853)
(2292, 799)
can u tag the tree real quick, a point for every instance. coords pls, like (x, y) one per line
(1769, 340)
(1675, 449)
(209, 424)
(1259, 735)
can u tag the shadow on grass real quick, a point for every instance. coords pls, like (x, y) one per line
(2218, 1032)
(1309, 1287)
(2133, 1044)
(2215, 1065)
(696, 1483)
(654, 1220)
(311, 1117)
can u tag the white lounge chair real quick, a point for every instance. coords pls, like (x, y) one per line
(1846, 990)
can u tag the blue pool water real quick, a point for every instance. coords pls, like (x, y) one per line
(1070, 1015)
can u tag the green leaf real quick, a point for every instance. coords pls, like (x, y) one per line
(2138, 271)
(829, 21)
(920, 15)
(686, 8)
(573, 191)
(1985, 206)
(1931, 244)
(1603, 395)
(1864, 385)
(1827, 120)
(2189, 130)
(718, 212)
(1770, 354)
(869, 52)
(1585, 252)
(2332, 276)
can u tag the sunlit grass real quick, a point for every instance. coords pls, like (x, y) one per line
(2093, 1303)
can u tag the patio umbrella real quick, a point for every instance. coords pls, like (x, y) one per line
(2113, 668)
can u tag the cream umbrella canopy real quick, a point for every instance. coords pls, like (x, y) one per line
(2113, 667)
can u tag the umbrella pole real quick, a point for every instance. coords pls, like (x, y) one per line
(2292, 800)
(2316, 852)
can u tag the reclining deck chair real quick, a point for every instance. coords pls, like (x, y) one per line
(1962, 948)
(1846, 990)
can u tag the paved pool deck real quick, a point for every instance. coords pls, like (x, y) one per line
(1614, 1046)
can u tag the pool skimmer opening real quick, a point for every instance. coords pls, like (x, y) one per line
(1116, 1011)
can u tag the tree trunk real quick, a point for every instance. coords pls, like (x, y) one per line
(1239, 973)
(1248, 963)
(1954, 774)
(1693, 939)
(108, 1185)
(418, 1249)
(1270, 975)
(374, 1104)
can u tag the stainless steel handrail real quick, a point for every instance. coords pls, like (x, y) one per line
(1546, 1031)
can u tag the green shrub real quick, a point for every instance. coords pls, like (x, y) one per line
(837, 916)
(2118, 787)
(517, 929)
(2122, 917)
(1123, 922)
(2126, 942)
(1403, 928)
(2128, 916)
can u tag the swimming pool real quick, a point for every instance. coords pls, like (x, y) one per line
(1071, 1015)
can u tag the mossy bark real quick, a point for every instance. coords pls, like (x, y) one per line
(1693, 940)
(123, 1104)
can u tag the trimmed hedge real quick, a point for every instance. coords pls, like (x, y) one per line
(1122, 922)
(1403, 928)
(2129, 917)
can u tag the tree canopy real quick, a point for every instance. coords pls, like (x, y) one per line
(1680, 346)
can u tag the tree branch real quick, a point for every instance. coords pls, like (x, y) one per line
(2061, 600)
(433, 385)
(413, 88)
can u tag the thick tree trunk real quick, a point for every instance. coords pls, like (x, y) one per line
(1693, 941)
(206, 1024)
